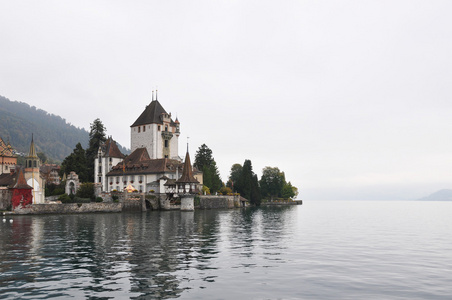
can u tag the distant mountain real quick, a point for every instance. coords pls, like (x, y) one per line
(53, 135)
(441, 195)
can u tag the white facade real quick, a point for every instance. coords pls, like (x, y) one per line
(157, 132)
(160, 140)
(140, 182)
(103, 165)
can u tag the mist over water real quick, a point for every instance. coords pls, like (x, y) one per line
(320, 250)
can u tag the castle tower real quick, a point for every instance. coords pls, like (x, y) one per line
(157, 132)
(32, 174)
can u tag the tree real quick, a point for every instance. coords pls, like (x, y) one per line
(42, 156)
(86, 190)
(96, 138)
(76, 161)
(288, 191)
(248, 185)
(234, 176)
(272, 182)
(205, 162)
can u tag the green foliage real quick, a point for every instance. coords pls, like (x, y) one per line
(53, 135)
(205, 162)
(272, 182)
(225, 190)
(54, 190)
(86, 190)
(115, 198)
(248, 185)
(64, 198)
(96, 138)
(42, 156)
(205, 190)
(76, 162)
(99, 199)
(197, 201)
(234, 176)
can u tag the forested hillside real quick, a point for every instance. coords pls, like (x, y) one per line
(53, 135)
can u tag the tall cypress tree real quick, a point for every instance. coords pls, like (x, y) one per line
(96, 138)
(248, 185)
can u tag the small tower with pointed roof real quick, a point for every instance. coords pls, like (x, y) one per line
(32, 174)
(156, 131)
(187, 186)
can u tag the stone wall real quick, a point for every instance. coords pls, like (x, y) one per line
(214, 202)
(5, 199)
(70, 208)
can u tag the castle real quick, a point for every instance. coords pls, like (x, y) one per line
(154, 162)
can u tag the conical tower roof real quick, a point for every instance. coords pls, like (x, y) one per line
(32, 152)
(187, 173)
(21, 183)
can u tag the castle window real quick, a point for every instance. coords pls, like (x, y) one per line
(166, 128)
(144, 128)
(158, 128)
(110, 159)
(166, 156)
(166, 143)
(139, 129)
(34, 164)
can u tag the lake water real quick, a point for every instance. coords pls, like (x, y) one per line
(320, 250)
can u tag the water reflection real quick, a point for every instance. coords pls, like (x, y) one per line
(155, 254)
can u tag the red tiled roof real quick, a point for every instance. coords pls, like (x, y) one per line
(21, 183)
(111, 149)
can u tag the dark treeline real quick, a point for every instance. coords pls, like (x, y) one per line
(53, 135)
(243, 180)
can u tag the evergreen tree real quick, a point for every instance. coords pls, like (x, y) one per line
(96, 138)
(76, 161)
(234, 176)
(205, 162)
(248, 185)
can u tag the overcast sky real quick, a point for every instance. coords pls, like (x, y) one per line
(351, 99)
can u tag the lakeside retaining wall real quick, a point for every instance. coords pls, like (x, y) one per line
(215, 202)
(71, 208)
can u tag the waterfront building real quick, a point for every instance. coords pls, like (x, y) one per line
(154, 159)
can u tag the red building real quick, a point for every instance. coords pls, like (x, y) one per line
(21, 192)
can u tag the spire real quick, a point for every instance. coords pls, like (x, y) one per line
(156, 97)
(187, 172)
(152, 95)
(32, 152)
